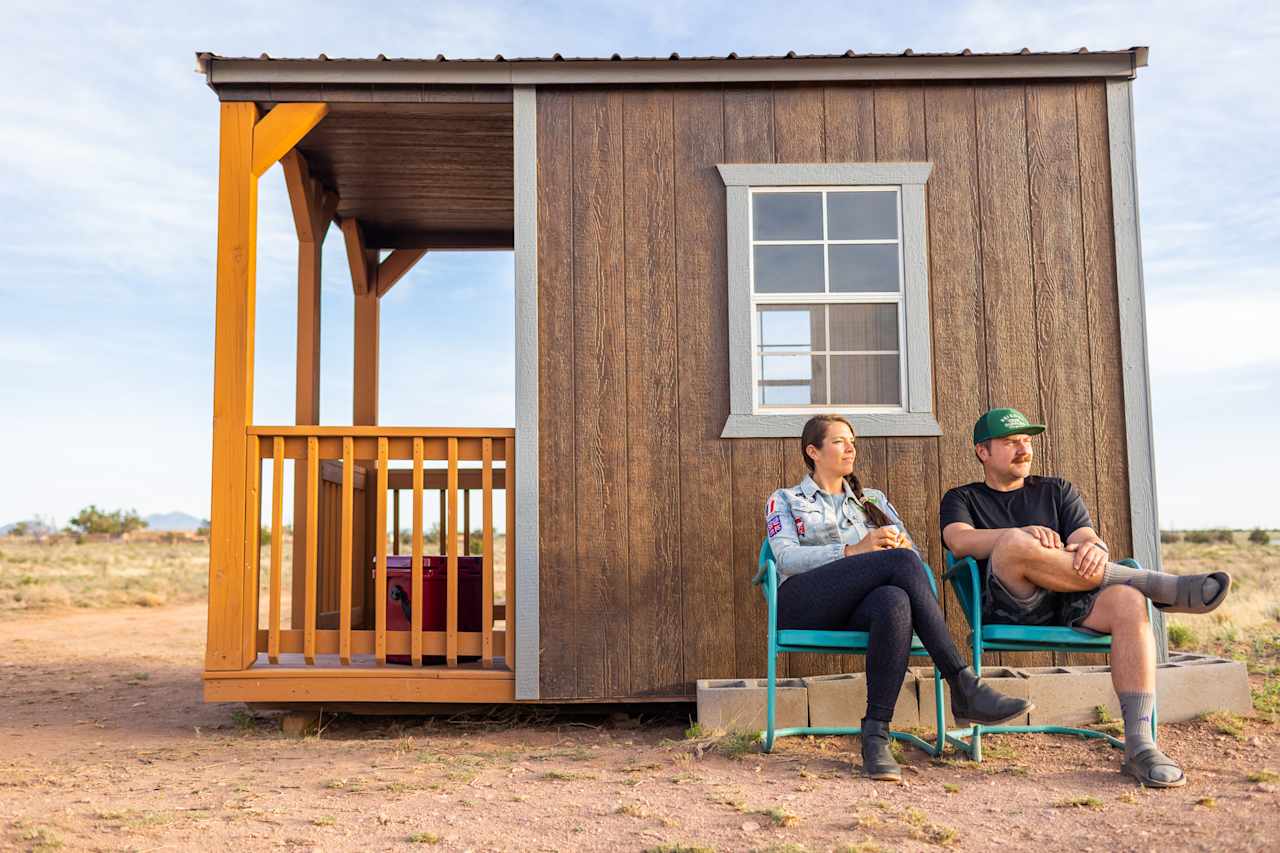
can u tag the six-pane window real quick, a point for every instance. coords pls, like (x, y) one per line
(826, 296)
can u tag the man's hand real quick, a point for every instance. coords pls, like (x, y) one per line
(1089, 561)
(877, 539)
(1048, 538)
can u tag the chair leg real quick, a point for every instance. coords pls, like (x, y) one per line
(770, 710)
(939, 714)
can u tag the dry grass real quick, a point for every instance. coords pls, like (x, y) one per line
(53, 575)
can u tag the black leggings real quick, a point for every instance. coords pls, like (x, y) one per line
(884, 593)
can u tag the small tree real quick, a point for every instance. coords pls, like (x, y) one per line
(1170, 536)
(1258, 536)
(117, 523)
(22, 528)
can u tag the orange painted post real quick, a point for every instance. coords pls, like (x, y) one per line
(486, 595)
(348, 522)
(227, 648)
(313, 549)
(451, 581)
(277, 549)
(252, 547)
(395, 522)
(509, 480)
(380, 537)
(444, 520)
(415, 565)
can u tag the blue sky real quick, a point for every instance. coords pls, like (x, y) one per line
(108, 173)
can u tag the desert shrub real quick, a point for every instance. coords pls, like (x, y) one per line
(1181, 636)
(1225, 536)
(1198, 537)
(93, 520)
(1168, 537)
(1258, 536)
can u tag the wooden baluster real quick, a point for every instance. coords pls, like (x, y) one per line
(486, 594)
(444, 520)
(395, 523)
(466, 522)
(344, 550)
(416, 568)
(313, 548)
(509, 480)
(451, 582)
(252, 547)
(380, 537)
(277, 548)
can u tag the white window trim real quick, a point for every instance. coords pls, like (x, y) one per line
(915, 417)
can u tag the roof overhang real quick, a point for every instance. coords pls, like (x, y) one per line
(237, 74)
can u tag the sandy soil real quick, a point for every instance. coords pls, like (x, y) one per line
(105, 744)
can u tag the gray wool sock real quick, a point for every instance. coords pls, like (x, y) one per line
(1160, 587)
(1137, 708)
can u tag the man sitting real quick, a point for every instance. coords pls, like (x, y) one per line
(1043, 564)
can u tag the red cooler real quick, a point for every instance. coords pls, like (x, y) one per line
(434, 598)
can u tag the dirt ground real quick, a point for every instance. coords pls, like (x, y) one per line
(105, 744)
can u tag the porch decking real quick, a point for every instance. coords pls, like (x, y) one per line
(343, 477)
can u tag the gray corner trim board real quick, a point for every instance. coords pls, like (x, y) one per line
(823, 174)
(918, 419)
(221, 71)
(1143, 510)
(525, 109)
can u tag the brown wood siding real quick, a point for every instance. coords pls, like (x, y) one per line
(651, 524)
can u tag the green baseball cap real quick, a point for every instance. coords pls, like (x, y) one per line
(998, 423)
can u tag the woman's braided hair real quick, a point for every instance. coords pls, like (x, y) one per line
(815, 433)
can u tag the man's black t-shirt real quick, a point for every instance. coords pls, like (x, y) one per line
(1045, 501)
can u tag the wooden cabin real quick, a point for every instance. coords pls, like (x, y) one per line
(706, 252)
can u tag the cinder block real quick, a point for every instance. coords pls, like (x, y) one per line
(841, 700)
(1190, 685)
(1070, 696)
(739, 704)
(1011, 682)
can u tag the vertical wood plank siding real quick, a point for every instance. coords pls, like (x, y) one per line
(651, 523)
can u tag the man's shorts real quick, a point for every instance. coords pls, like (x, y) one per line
(1044, 608)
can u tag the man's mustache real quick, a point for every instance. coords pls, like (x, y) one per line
(1020, 459)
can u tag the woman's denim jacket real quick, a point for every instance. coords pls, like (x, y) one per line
(804, 533)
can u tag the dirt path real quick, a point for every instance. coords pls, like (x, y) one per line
(105, 744)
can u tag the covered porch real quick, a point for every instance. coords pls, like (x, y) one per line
(350, 621)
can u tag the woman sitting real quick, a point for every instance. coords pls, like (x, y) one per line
(846, 563)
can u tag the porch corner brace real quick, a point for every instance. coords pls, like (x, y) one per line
(280, 130)
(528, 635)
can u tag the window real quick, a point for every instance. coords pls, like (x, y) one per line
(828, 297)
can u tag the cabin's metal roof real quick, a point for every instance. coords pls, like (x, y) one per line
(266, 70)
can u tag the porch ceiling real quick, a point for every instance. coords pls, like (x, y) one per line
(419, 176)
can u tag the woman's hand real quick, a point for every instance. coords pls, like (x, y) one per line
(877, 539)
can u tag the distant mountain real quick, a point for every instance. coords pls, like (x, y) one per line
(173, 521)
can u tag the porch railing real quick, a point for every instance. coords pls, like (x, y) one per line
(342, 461)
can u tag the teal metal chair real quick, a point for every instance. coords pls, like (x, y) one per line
(831, 643)
(966, 580)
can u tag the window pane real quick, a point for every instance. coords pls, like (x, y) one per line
(792, 381)
(865, 380)
(789, 269)
(862, 215)
(792, 327)
(787, 216)
(864, 327)
(864, 269)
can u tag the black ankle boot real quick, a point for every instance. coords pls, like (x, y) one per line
(976, 702)
(877, 758)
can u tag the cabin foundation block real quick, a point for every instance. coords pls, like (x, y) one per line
(739, 704)
(841, 700)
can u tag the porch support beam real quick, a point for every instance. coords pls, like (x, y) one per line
(280, 130)
(394, 266)
(313, 208)
(230, 644)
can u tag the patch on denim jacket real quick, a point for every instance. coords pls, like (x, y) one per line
(775, 524)
(800, 526)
